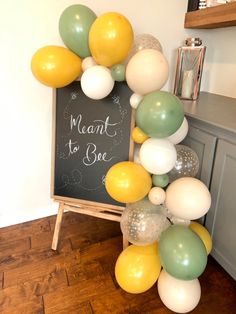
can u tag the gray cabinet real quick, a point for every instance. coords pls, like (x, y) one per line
(215, 146)
(217, 158)
(221, 219)
(204, 145)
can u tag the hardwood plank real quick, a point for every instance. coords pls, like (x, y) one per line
(80, 278)
(32, 290)
(77, 294)
(98, 250)
(26, 308)
(71, 218)
(32, 256)
(97, 234)
(17, 245)
(84, 308)
(26, 229)
(1, 280)
(45, 241)
(41, 268)
(14, 296)
(119, 301)
(84, 271)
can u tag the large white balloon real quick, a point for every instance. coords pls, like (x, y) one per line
(147, 71)
(180, 134)
(180, 296)
(157, 156)
(97, 82)
(188, 198)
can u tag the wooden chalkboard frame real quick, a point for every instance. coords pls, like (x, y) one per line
(97, 209)
(78, 200)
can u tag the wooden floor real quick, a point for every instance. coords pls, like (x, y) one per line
(79, 277)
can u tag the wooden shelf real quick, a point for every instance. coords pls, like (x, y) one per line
(223, 15)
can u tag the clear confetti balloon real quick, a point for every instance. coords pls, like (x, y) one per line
(186, 165)
(144, 41)
(142, 222)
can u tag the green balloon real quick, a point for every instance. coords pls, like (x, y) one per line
(159, 114)
(160, 180)
(183, 254)
(74, 25)
(118, 72)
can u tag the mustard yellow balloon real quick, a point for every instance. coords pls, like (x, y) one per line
(110, 39)
(127, 182)
(138, 268)
(203, 233)
(138, 135)
(55, 66)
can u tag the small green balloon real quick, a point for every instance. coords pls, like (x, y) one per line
(74, 25)
(160, 180)
(118, 72)
(183, 254)
(159, 114)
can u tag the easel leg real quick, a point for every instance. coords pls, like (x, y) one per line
(125, 243)
(57, 226)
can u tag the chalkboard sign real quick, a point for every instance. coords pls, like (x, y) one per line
(89, 137)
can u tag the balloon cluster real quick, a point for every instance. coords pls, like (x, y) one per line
(159, 187)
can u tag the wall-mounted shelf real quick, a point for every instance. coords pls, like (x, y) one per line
(214, 17)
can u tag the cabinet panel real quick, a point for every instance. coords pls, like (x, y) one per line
(204, 145)
(221, 218)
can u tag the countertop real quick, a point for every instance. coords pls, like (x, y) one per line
(217, 110)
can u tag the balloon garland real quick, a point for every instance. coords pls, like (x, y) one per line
(159, 187)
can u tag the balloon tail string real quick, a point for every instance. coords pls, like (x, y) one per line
(169, 220)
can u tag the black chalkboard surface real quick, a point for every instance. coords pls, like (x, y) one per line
(89, 137)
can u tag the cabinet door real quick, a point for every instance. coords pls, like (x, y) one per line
(204, 145)
(221, 218)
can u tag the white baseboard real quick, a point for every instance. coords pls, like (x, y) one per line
(9, 219)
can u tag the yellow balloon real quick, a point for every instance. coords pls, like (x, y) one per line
(138, 135)
(203, 233)
(127, 182)
(55, 66)
(138, 268)
(110, 39)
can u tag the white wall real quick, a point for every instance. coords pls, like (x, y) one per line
(25, 119)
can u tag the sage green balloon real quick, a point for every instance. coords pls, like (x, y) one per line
(183, 254)
(160, 180)
(74, 25)
(159, 114)
(118, 72)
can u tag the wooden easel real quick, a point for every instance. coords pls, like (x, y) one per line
(95, 211)
(79, 203)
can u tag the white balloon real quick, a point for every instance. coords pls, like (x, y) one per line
(188, 198)
(179, 221)
(180, 134)
(157, 195)
(136, 153)
(147, 71)
(88, 63)
(157, 156)
(180, 296)
(97, 82)
(135, 100)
